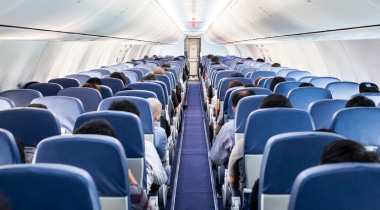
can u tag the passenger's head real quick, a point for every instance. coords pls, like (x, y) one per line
(125, 106)
(275, 81)
(241, 94)
(360, 101)
(260, 60)
(234, 83)
(209, 56)
(158, 70)
(37, 105)
(156, 107)
(95, 80)
(275, 100)
(96, 126)
(29, 83)
(215, 59)
(306, 84)
(236, 74)
(91, 85)
(148, 77)
(276, 65)
(119, 75)
(256, 82)
(345, 150)
(368, 87)
(165, 65)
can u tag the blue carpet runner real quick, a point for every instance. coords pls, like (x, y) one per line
(194, 189)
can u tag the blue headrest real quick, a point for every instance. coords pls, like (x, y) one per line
(220, 75)
(337, 186)
(21, 97)
(265, 123)
(80, 77)
(166, 81)
(150, 86)
(360, 124)
(30, 125)
(245, 106)
(322, 82)
(66, 109)
(101, 156)
(114, 83)
(48, 186)
(138, 72)
(284, 88)
(132, 76)
(146, 112)
(323, 111)
(8, 148)
(343, 90)
(46, 89)
(303, 96)
(257, 74)
(284, 72)
(287, 154)
(66, 82)
(222, 86)
(298, 74)
(6, 103)
(105, 91)
(89, 97)
(137, 93)
(127, 126)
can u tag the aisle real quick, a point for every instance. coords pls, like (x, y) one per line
(194, 188)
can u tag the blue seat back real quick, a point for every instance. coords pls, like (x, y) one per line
(114, 83)
(105, 91)
(285, 72)
(137, 93)
(127, 126)
(138, 72)
(21, 97)
(8, 148)
(301, 149)
(48, 186)
(265, 123)
(306, 78)
(303, 96)
(245, 106)
(89, 97)
(46, 89)
(262, 81)
(66, 82)
(66, 109)
(6, 103)
(165, 79)
(326, 187)
(322, 82)
(150, 86)
(343, 90)
(91, 73)
(103, 157)
(284, 88)
(82, 78)
(218, 75)
(222, 86)
(131, 75)
(104, 72)
(360, 124)
(247, 70)
(375, 97)
(298, 74)
(30, 125)
(146, 113)
(257, 74)
(323, 111)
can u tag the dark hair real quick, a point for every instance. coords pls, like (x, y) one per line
(370, 90)
(306, 84)
(215, 59)
(236, 74)
(275, 100)
(21, 150)
(256, 82)
(241, 94)
(345, 150)
(29, 83)
(95, 80)
(360, 101)
(275, 81)
(234, 83)
(91, 85)
(149, 76)
(260, 60)
(165, 65)
(276, 65)
(36, 105)
(368, 87)
(96, 126)
(126, 106)
(127, 88)
(119, 75)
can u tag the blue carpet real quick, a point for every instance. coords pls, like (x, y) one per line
(194, 189)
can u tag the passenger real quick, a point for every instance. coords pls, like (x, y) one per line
(338, 151)
(256, 82)
(95, 81)
(275, 65)
(156, 174)
(139, 199)
(306, 84)
(160, 139)
(225, 140)
(215, 60)
(121, 76)
(25, 86)
(260, 60)
(360, 101)
(148, 77)
(37, 105)
(275, 81)
(235, 164)
(92, 85)
(166, 66)
(368, 87)
(158, 70)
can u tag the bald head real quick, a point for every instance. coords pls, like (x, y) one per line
(156, 107)
(158, 70)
